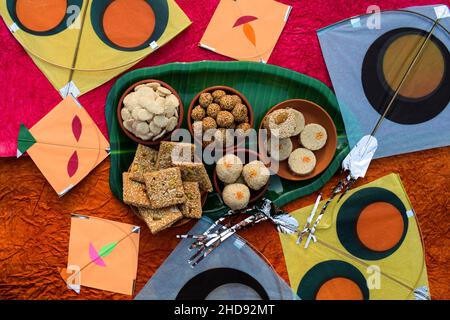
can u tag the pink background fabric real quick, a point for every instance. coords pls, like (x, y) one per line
(26, 95)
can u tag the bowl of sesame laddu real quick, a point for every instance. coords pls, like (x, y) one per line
(215, 112)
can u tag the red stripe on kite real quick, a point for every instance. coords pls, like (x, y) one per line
(77, 127)
(72, 165)
(244, 19)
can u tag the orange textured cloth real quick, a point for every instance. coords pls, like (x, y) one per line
(35, 225)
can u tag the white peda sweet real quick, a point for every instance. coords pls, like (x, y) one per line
(144, 115)
(135, 113)
(142, 128)
(154, 128)
(302, 161)
(280, 150)
(126, 114)
(130, 101)
(171, 123)
(281, 123)
(313, 137)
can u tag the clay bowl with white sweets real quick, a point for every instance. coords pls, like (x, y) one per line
(149, 111)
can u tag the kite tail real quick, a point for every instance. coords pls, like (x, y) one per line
(25, 140)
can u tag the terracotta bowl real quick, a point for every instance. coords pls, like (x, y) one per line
(254, 195)
(130, 134)
(313, 114)
(228, 90)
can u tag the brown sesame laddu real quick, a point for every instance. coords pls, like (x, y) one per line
(212, 110)
(243, 129)
(240, 112)
(217, 95)
(198, 113)
(225, 119)
(205, 99)
(209, 123)
(227, 102)
(236, 99)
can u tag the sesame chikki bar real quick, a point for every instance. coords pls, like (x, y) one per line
(164, 188)
(134, 192)
(192, 208)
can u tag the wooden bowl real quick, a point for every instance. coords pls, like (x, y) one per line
(254, 194)
(228, 90)
(167, 136)
(313, 114)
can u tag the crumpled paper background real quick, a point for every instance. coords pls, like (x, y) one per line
(35, 223)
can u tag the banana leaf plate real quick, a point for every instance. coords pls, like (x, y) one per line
(263, 85)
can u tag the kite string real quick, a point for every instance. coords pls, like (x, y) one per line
(92, 261)
(405, 76)
(350, 182)
(77, 49)
(400, 86)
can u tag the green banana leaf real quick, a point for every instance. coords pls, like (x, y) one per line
(263, 85)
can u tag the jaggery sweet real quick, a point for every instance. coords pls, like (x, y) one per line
(144, 161)
(134, 193)
(192, 208)
(164, 188)
(195, 172)
(170, 152)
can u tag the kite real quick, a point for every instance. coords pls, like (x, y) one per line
(81, 44)
(369, 248)
(234, 271)
(246, 29)
(398, 69)
(65, 144)
(113, 267)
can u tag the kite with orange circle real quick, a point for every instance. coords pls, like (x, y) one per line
(368, 247)
(81, 44)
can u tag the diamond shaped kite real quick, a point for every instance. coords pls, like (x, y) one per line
(65, 144)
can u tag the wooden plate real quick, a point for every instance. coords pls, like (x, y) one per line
(313, 113)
